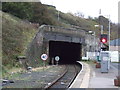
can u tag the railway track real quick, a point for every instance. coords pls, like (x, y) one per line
(66, 78)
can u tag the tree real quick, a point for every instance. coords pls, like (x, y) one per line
(22, 10)
(79, 14)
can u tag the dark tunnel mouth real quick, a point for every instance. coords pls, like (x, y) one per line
(68, 52)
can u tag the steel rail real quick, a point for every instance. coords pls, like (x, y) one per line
(76, 72)
(52, 83)
(62, 76)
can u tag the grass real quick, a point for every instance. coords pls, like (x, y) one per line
(115, 62)
(16, 37)
(16, 75)
(68, 19)
(9, 73)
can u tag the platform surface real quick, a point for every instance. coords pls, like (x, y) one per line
(91, 77)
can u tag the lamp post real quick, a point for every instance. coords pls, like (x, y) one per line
(109, 32)
(101, 26)
(93, 33)
(94, 44)
(58, 15)
(94, 41)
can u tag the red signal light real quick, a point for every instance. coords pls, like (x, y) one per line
(103, 40)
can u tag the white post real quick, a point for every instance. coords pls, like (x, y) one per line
(58, 15)
(94, 42)
(94, 46)
(109, 41)
(109, 32)
(101, 29)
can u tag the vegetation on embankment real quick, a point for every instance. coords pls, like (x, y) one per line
(16, 36)
(36, 12)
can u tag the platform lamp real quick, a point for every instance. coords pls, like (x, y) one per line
(101, 26)
(93, 33)
(94, 49)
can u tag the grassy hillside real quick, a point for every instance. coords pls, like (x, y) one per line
(68, 19)
(45, 14)
(37, 12)
(16, 36)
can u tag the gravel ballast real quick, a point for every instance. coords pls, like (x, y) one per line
(38, 78)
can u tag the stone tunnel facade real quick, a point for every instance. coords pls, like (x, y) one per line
(47, 33)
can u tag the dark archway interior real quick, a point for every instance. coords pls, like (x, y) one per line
(69, 53)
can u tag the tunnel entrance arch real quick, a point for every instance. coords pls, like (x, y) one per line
(49, 38)
(68, 52)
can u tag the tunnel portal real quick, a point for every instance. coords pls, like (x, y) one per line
(68, 52)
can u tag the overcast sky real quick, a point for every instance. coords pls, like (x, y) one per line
(87, 7)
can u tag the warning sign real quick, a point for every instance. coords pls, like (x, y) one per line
(44, 57)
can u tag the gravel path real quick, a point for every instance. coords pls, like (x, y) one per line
(36, 79)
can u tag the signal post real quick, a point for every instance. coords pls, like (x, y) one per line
(104, 54)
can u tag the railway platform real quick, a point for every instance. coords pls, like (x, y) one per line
(91, 77)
